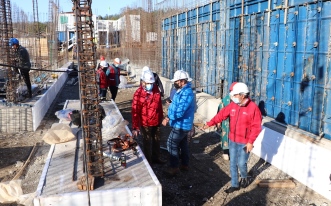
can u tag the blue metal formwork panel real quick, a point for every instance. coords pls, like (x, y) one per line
(222, 69)
(181, 50)
(265, 56)
(323, 71)
(216, 11)
(255, 55)
(195, 54)
(211, 74)
(182, 19)
(174, 22)
(250, 7)
(204, 41)
(172, 61)
(188, 50)
(244, 51)
(305, 62)
(164, 62)
(192, 17)
(204, 13)
(233, 49)
(166, 24)
(283, 55)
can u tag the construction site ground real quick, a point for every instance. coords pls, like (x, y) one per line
(203, 184)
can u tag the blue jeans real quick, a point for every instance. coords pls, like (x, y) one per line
(178, 140)
(238, 159)
(103, 92)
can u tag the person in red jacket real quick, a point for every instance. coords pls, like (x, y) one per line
(113, 75)
(147, 115)
(245, 125)
(102, 80)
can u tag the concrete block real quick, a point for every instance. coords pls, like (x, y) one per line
(207, 105)
(15, 119)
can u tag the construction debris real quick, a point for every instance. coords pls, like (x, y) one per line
(81, 184)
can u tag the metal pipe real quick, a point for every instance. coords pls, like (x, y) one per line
(242, 14)
(285, 12)
(269, 7)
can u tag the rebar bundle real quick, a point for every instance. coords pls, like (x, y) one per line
(36, 29)
(6, 55)
(91, 114)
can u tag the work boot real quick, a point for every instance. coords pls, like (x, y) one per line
(172, 171)
(231, 189)
(184, 168)
(159, 161)
(245, 182)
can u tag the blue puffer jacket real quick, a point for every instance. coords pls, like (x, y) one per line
(181, 110)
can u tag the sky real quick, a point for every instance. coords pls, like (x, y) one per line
(99, 7)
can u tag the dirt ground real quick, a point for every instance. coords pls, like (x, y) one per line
(203, 184)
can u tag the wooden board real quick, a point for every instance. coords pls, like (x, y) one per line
(275, 183)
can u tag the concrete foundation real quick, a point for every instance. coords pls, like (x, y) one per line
(26, 116)
(134, 185)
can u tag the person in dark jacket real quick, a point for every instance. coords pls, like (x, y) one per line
(113, 75)
(102, 80)
(158, 82)
(147, 114)
(245, 125)
(22, 59)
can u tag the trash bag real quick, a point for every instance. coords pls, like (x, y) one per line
(10, 191)
(64, 114)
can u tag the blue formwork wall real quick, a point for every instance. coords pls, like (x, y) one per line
(280, 48)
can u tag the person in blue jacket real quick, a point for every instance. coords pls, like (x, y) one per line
(180, 117)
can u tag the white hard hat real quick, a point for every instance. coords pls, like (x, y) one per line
(103, 64)
(146, 68)
(239, 88)
(181, 74)
(148, 77)
(117, 61)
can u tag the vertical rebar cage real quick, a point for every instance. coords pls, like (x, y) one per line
(6, 55)
(91, 113)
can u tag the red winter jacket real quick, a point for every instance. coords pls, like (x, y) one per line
(102, 78)
(245, 121)
(146, 108)
(113, 74)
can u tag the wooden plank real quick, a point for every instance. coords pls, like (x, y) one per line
(275, 183)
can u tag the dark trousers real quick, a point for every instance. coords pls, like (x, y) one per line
(26, 78)
(151, 142)
(113, 91)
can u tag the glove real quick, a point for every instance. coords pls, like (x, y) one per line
(135, 133)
